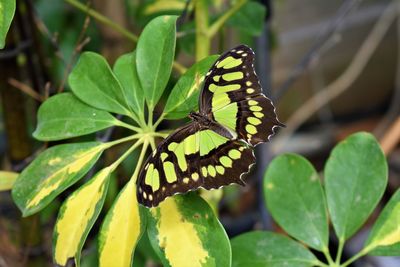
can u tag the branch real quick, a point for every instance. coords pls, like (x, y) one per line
(344, 81)
(99, 17)
(316, 48)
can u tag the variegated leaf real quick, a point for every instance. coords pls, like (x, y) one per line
(53, 171)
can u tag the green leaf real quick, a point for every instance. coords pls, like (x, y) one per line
(292, 189)
(250, 18)
(126, 73)
(121, 229)
(184, 227)
(259, 249)
(384, 239)
(53, 171)
(77, 216)
(184, 96)
(64, 116)
(355, 179)
(93, 82)
(154, 56)
(7, 10)
(7, 180)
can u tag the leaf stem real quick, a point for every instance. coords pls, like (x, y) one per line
(103, 19)
(328, 257)
(216, 26)
(340, 250)
(126, 154)
(122, 140)
(159, 120)
(128, 126)
(140, 161)
(356, 256)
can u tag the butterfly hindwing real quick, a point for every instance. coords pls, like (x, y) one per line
(191, 158)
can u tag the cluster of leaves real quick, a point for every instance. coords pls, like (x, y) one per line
(132, 88)
(355, 178)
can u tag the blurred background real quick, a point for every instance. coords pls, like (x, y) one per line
(332, 68)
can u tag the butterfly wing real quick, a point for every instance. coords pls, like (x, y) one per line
(190, 158)
(232, 96)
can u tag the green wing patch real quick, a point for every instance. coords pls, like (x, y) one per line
(191, 158)
(217, 147)
(232, 94)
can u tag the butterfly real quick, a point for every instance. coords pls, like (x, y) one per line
(216, 147)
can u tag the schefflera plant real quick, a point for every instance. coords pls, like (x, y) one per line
(182, 226)
(355, 178)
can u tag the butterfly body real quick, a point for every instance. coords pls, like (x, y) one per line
(216, 147)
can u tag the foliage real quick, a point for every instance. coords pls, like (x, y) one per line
(133, 88)
(7, 10)
(355, 178)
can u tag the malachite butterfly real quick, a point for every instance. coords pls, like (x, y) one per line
(216, 147)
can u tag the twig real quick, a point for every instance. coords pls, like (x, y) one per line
(26, 89)
(80, 43)
(317, 47)
(99, 17)
(41, 26)
(11, 53)
(344, 81)
(394, 108)
(391, 137)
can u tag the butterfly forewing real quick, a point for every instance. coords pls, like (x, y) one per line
(198, 155)
(232, 96)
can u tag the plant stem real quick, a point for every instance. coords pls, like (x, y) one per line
(216, 26)
(96, 15)
(202, 38)
(140, 161)
(179, 68)
(122, 140)
(355, 257)
(328, 257)
(128, 126)
(340, 250)
(118, 28)
(126, 154)
(159, 120)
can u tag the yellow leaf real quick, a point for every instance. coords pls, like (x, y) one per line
(178, 237)
(77, 216)
(121, 230)
(52, 182)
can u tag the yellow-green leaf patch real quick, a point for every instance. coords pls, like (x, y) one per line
(7, 180)
(384, 239)
(121, 229)
(52, 172)
(77, 216)
(184, 229)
